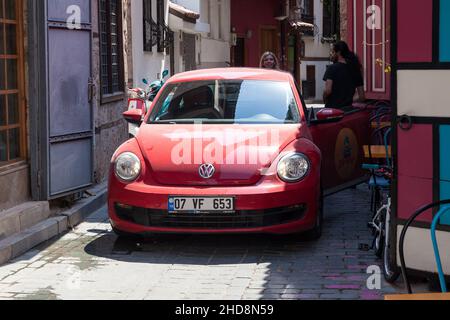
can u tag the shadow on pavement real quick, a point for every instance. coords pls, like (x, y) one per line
(273, 267)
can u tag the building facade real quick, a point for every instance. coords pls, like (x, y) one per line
(420, 100)
(201, 33)
(62, 92)
(152, 41)
(299, 32)
(413, 80)
(317, 45)
(255, 33)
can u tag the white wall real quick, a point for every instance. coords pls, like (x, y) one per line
(193, 5)
(145, 64)
(212, 30)
(321, 67)
(215, 46)
(314, 48)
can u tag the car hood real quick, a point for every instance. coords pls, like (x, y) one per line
(239, 153)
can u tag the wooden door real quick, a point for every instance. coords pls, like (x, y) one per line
(268, 40)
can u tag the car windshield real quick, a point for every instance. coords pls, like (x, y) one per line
(226, 101)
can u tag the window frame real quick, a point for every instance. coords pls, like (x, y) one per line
(111, 95)
(147, 16)
(161, 21)
(19, 91)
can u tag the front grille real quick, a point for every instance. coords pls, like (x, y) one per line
(238, 220)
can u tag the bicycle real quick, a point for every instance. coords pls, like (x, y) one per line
(381, 223)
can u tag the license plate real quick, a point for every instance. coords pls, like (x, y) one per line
(200, 204)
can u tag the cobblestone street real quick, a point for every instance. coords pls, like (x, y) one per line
(92, 263)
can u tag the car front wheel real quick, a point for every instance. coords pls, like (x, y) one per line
(316, 232)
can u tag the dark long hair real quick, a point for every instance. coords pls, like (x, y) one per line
(350, 57)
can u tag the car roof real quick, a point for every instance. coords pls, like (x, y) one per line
(231, 74)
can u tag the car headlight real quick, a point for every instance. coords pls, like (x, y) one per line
(127, 167)
(293, 167)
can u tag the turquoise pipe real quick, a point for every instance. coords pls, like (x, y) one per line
(436, 219)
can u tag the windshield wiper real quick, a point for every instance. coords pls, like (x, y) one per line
(180, 121)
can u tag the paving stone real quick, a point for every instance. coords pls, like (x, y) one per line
(203, 267)
(300, 296)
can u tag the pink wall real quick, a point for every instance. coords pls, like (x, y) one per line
(416, 144)
(251, 15)
(371, 45)
(415, 30)
(415, 170)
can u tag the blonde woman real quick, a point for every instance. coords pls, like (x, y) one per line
(269, 61)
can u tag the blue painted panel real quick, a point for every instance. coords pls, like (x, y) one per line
(445, 194)
(445, 152)
(445, 31)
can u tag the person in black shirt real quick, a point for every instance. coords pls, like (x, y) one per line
(343, 78)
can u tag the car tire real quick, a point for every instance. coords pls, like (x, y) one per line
(316, 232)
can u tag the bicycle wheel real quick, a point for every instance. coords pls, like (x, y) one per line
(379, 233)
(391, 271)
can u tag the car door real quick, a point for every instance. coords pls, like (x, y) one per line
(341, 144)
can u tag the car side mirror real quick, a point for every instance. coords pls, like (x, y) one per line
(328, 115)
(134, 116)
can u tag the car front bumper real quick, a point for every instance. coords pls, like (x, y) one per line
(271, 206)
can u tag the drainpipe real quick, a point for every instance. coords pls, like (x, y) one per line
(166, 18)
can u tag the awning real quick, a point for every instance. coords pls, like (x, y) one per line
(303, 26)
(183, 13)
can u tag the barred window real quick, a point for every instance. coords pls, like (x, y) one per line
(160, 12)
(154, 31)
(149, 26)
(111, 47)
(331, 20)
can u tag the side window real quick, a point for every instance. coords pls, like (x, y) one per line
(168, 105)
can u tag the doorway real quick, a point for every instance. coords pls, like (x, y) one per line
(239, 53)
(268, 40)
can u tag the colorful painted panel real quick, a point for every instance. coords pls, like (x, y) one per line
(369, 27)
(424, 93)
(445, 194)
(445, 152)
(415, 22)
(414, 193)
(445, 31)
(416, 144)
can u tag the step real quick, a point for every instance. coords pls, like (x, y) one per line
(22, 217)
(15, 245)
(25, 240)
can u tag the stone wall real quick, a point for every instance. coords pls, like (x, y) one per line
(111, 130)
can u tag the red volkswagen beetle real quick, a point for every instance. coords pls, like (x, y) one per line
(233, 151)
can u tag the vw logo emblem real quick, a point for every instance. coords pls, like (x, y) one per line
(206, 171)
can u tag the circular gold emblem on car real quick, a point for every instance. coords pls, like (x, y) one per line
(346, 153)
